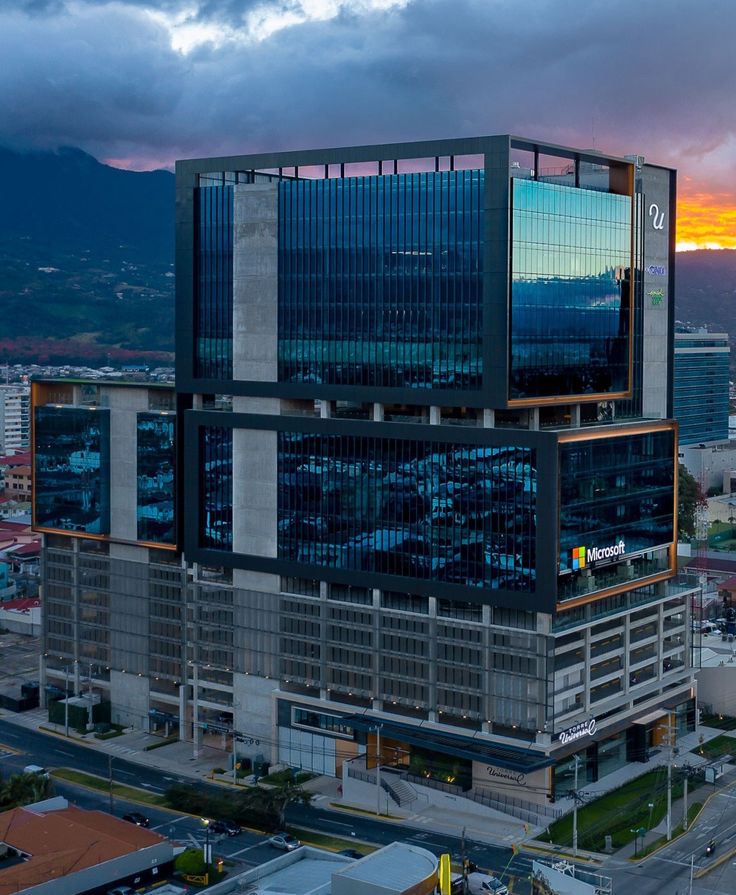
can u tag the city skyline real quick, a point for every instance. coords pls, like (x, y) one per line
(139, 83)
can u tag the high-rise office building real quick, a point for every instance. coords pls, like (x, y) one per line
(15, 418)
(427, 464)
(701, 385)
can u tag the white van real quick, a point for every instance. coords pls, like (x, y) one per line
(36, 769)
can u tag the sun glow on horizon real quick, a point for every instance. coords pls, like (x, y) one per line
(706, 221)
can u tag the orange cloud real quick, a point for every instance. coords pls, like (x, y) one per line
(705, 220)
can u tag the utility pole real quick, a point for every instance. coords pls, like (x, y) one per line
(685, 779)
(66, 700)
(669, 777)
(378, 768)
(109, 781)
(575, 811)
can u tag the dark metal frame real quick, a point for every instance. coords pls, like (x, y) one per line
(496, 151)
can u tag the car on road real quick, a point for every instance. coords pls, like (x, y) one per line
(484, 884)
(135, 817)
(226, 827)
(351, 853)
(284, 841)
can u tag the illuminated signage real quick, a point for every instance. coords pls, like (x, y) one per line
(578, 731)
(580, 557)
(657, 270)
(657, 296)
(657, 216)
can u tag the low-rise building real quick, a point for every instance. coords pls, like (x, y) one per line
(52, 848)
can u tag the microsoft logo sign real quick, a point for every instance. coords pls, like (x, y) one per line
(580, 557)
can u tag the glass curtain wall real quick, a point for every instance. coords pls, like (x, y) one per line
(614, 491)
(570, 313)
(213, 282)
(155, 478)
(72, 468)
(415, 508)
(380, 280)
(216, 458)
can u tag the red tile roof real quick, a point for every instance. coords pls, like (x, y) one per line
(64, 842)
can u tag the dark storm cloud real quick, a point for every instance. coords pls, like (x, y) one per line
(655, 78)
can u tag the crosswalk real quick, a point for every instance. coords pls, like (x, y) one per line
(121, 750)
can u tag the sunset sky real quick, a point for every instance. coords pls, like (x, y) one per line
(140, 83)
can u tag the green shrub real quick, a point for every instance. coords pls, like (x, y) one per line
(190, 862)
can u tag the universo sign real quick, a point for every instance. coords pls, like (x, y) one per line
(584, 729)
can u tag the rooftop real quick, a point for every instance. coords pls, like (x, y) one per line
(65, 840)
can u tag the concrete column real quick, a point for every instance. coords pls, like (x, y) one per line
(434, 416)
(42, 682)
(378, 413)
(325, 409)
(182, 711)
(534, 418)
(489, 418)
(196, 729)
(575, 416)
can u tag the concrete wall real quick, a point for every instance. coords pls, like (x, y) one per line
(717, 687)
(253, 715)
(255, 282)
(504, 783)
(21, 622)
(656, 187)
(710, 463)
(109, 873)
(124, 404)
(255, 492)
(129, 610)
(129, 697)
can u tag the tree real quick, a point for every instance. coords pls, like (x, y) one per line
(274, 799)
(24, 789)
(688, 494)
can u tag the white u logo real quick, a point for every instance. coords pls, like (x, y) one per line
(657, 216)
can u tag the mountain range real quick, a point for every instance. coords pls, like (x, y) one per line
(87, 264)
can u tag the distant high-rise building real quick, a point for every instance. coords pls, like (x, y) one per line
(701, 385)
(15, 418)
(427, 468)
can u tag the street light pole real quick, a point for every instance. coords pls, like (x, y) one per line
(575, 812)
(109, 781)
(206, 822)
(66, 700)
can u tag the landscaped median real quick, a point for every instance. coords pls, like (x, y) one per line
(119, 790)
(201, 805)
(638, 804)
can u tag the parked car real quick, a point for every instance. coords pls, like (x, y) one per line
(227, 827)
(351, 853)
(284, 841)
(135, 817)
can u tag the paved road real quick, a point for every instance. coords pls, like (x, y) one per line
(247, 848)
(668, 871)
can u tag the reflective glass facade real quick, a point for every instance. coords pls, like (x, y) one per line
(701, 380)
(380, 280)
(570, 312)
(72, 468)
(213, 282)
(216, 502)
(416, 508)
(155, 478)
(617, 498)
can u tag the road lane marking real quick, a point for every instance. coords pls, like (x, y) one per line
(242, 851)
